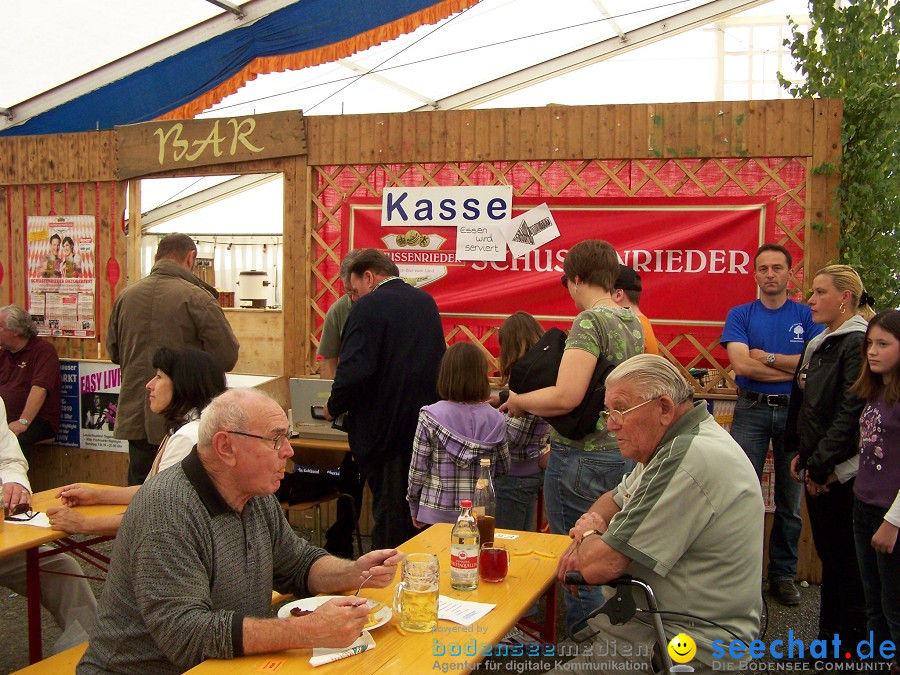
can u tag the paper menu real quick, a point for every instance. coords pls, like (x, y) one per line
(460, 611)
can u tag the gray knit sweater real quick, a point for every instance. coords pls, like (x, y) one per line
(186, 569)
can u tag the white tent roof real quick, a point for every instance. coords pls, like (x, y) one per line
(499, 53)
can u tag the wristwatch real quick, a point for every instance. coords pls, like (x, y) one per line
(770, 359)
(24, 422)
(589, 533)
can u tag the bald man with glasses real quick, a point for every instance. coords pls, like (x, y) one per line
(203, 544)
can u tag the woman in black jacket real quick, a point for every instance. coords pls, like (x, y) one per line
(823, 426)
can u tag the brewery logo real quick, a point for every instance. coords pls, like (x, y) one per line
(419, 256)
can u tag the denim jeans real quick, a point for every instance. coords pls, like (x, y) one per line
(517, 501)
(755, 424)
(880, 573)
(572, 483)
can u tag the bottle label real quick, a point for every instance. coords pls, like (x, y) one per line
(463, 561)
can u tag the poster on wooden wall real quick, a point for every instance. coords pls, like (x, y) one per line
(61, 274)
(90, 398)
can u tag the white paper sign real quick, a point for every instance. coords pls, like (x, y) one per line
(482, 241)
(463, 612)
(532, 229)
(445, 206)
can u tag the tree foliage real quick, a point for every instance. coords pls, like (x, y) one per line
(851, 52)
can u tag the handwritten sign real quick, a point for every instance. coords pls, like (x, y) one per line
(154, 147)
(482, 241)
(530, 231)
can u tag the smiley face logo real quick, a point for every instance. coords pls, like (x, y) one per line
(682, 648)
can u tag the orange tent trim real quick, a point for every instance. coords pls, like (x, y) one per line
(313, 57)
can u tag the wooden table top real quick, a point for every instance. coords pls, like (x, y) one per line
(17, 538)
(532, 569)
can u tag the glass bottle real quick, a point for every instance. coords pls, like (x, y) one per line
(464, 542)
(485, 503)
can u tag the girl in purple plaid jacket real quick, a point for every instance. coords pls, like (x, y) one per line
(452, 436)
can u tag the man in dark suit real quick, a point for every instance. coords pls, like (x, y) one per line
(390, 355)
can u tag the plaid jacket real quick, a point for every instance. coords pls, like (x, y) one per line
(445, 461)
(527, 436)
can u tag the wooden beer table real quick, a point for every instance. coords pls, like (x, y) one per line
(28, 538)
(532, 572)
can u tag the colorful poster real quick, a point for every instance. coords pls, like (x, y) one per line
(61, 274)
(90, 401)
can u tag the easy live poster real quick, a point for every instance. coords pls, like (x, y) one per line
(61, 274)
(90, 399)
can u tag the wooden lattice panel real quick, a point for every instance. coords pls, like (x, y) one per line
(781, 179)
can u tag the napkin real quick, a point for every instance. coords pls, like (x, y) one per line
(39, 520)
(323, 655)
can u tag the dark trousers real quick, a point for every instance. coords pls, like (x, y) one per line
(389, 483)
(38, 430)
(880, 574)
(141, 454)
(339, 537)
(843, 608)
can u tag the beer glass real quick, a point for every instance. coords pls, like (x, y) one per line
(493, 562)
(416, 597)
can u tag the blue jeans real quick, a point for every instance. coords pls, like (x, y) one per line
(517, 501)
(880, 573)
(572, 483)
(755, 424)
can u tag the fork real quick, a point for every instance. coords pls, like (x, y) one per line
(361, 585)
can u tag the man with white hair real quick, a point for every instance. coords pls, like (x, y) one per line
(203, 544)
(688, 519)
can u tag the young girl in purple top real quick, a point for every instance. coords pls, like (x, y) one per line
(452, 436)
(876, 509)
(527, 435)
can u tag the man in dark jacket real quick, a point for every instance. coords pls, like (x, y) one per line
(169, 308)
(391, 352)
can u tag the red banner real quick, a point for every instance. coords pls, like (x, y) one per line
(695, 257)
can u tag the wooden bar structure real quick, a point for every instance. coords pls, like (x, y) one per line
(658, 150)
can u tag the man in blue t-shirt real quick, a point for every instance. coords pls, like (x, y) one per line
(764, 340)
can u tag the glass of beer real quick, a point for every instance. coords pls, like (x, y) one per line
(416, 597)
(493, 562)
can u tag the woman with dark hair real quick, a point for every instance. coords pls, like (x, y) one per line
(823, 427)
(186, 381)
(876, 507)
(527, 435)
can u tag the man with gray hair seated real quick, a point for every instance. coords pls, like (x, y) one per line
(688, 520)
(30, 381)
(203, 544)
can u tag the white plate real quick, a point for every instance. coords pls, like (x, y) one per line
(383, 615)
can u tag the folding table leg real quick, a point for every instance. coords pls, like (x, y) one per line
(33, 603)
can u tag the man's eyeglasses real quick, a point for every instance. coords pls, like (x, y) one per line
(21, 512)
(565, 281)
(276, 442)
(618, 416)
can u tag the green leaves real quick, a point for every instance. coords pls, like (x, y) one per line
(851, 52)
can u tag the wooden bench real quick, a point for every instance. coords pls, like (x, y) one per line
(64, 662)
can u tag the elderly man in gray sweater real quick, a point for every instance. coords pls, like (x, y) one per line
(203, 544)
